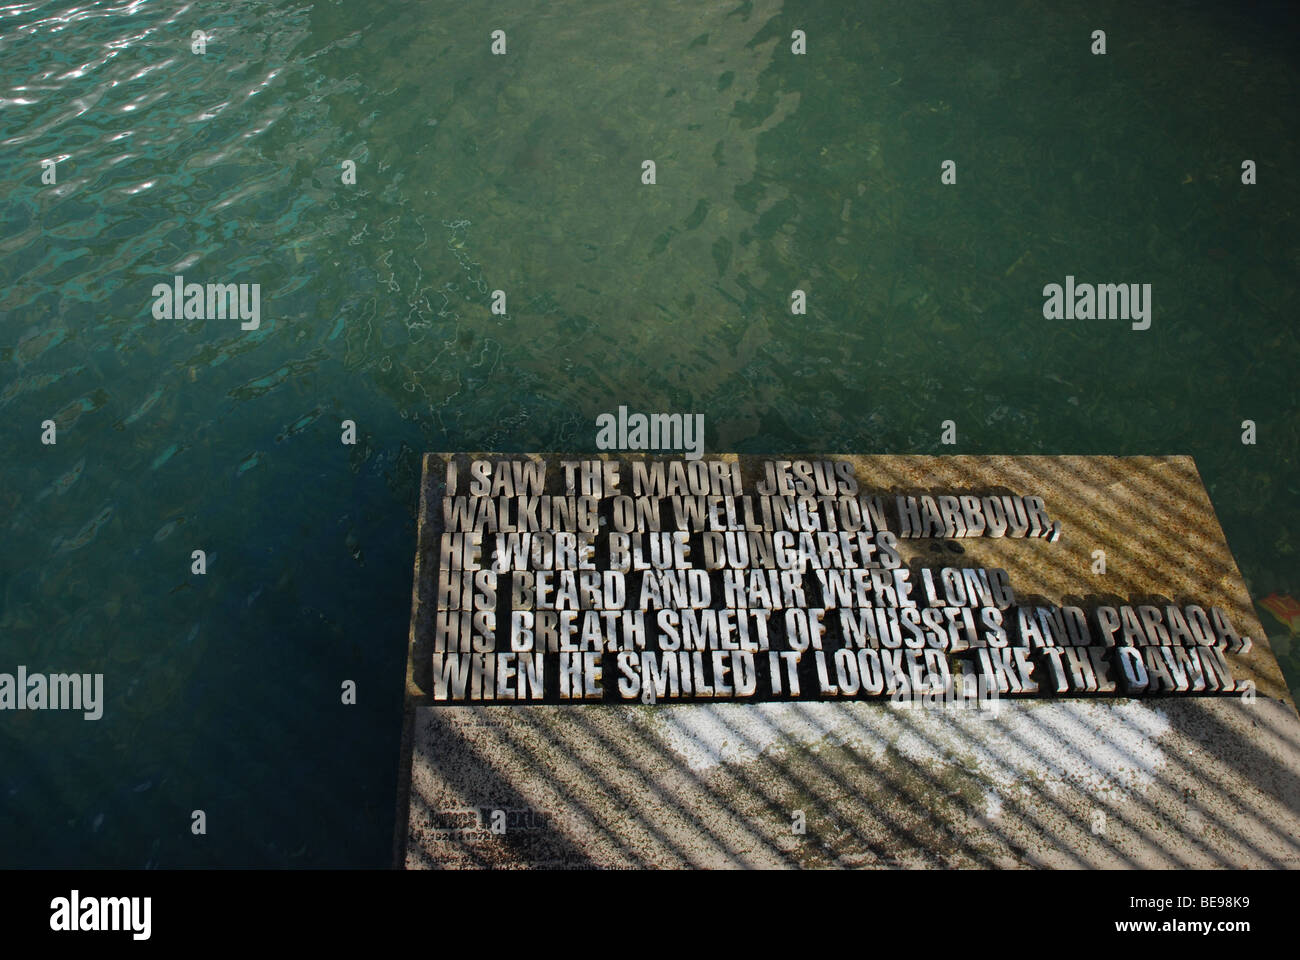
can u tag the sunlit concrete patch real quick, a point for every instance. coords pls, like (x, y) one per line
(1095, 746)
(706, 735)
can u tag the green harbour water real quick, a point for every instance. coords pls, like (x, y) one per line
(522, 172)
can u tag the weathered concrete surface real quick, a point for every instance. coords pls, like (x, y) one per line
(1168, 782)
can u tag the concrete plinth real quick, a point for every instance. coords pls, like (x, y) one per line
(1106, 781)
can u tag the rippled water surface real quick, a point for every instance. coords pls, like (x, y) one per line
(522, 173)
